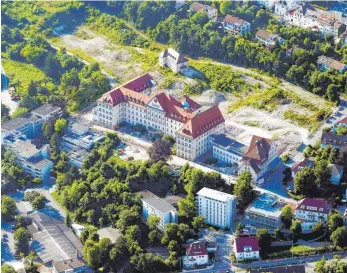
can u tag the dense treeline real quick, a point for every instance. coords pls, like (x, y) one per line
(78, 84)
(195, 35)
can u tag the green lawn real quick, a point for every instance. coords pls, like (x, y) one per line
(23, 74)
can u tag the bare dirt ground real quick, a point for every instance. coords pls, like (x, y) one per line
(118, 59)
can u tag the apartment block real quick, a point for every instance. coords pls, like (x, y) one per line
(235, 25)
(218, 208)
(34, 161)
(153, 205)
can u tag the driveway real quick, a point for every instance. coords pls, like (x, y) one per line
(6, 99)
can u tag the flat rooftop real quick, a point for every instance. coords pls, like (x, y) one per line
(45, 110)
(229, 144)
(21, 146)
(267, 205)
(16, 123)
(216, 195)
(156, 202)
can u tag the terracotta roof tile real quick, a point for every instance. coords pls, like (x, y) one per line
(233, 20)
(315, 205)
(243, 242)
(197, 249)
(203, 122)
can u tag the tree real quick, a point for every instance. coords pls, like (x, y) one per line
(39, 202)
(322, 172)
(186, 207)
(339, 237)
(173, 246)
(60, 126)
(239, 229)
(8, 207)
(68, 220)
(296, 229)
(198, 223)
(29, 263)
(119, 253)
(287, 216)
(335, 220)
(5, 268)
(160, 151)
(318, 227)
(264, 240)
(305, 182)
(243, 189)
(22, 238)
(153, 221)
(226, 7)
(199, 18)
(127, 218)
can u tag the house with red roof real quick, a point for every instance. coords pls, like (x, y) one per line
(136, 102)
(301, 165)
(235, 25)
(196, 255)
(259, 155)
(341, 123)
(311, 211)
(246, 248)
(326, 63)
(212, 12)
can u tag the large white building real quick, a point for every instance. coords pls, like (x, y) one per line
(153, 205)
(311, 211)
(174, 60)
(218, 208)
(137, 103)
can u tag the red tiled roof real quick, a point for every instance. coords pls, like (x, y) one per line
(140, 83)
(243, 242)
(344, 120)
(122, 94)
(196, 249)
(302, 164)
(233, 20)
(330, 62)
(263, 34)
(203, 122)
(314, 205)
(197, 6)
(258, 149)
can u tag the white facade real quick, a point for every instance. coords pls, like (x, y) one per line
(312, 211)
(174, 60)
(236, 25)
(218, 208)
(246, 248)
(158, 207)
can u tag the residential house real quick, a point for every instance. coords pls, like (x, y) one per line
(310, 211)
(326, 63)
(153, 205)
(196, 256)
(226, 149)
(185, 120)
(260, 154)
(333, 140)
(212, 13)
(336, 174)
(34, 161)
(74, 265)
(341, 123)
(265, 212)
(246, 248)
(301, 165)
(174, 60)
(235, 25)
(218, 208)
(267, 38)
